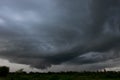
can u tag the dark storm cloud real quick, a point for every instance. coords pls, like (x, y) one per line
(42, 33)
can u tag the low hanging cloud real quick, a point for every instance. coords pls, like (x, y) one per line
(42, 33)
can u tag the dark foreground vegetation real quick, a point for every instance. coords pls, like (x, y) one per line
(21, 75)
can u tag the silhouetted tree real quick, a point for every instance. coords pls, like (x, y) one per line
(4, 71)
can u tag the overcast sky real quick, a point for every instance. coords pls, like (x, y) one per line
(60, 35)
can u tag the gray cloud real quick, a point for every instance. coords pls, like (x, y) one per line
(42, 33)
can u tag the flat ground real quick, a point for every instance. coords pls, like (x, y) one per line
(64, 76)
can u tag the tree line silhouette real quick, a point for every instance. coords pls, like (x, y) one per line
(22, 75)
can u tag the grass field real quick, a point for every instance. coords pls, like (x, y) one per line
(64, 76)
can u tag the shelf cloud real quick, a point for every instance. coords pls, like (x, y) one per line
(42, 33)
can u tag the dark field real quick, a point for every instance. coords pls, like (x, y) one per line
(64, 76)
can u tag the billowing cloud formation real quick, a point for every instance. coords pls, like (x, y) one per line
(42, 33)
